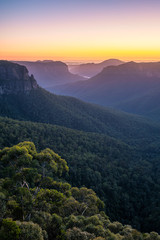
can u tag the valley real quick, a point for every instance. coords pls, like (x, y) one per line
(107, 150)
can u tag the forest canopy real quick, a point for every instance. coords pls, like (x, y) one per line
(36, 204)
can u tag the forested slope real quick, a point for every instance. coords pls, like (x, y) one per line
(41, 106)
(35, 206)
(125, 177)
(114, 153)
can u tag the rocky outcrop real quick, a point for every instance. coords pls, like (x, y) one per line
(14, 79)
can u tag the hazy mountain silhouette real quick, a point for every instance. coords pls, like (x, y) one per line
(38, 105)
(92, 69)
(49, 73)
(127, 87)
(114, 151)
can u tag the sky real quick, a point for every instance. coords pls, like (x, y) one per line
(80, 30)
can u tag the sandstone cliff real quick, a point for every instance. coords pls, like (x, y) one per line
(14, 79)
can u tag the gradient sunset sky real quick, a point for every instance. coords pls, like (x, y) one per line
(80, 30)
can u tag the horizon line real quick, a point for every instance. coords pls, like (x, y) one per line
(80, 61)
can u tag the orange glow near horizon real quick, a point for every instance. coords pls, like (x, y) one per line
(80, 32)
(83, 56)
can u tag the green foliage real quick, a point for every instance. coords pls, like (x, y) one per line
(43, 219)
(41, 106)
(77, 234)
(23, 165)
(2, 204)
(115, 227)
(56, 229)
(56, 210)
(9, 230)
(22, 162)
(124, 171)
(18, 155)
(30, 230)
(125, 177)
(49, 200)
(90, 203)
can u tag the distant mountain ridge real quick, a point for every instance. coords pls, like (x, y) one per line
(92, 69)
(49, 73)
(118, 155)
(38, 105)
(117, 86)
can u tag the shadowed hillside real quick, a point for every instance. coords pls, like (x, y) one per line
(115, 153)
(128, 87)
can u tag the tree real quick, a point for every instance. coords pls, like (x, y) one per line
(56, 230)
(23, 161)
(9, 230)
(48, 158)
(77, 234)
(30, 230)
(89, 203)
(49, 200)
(26, 168)
(2, 204)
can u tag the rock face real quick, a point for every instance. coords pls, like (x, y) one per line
(15, 79)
